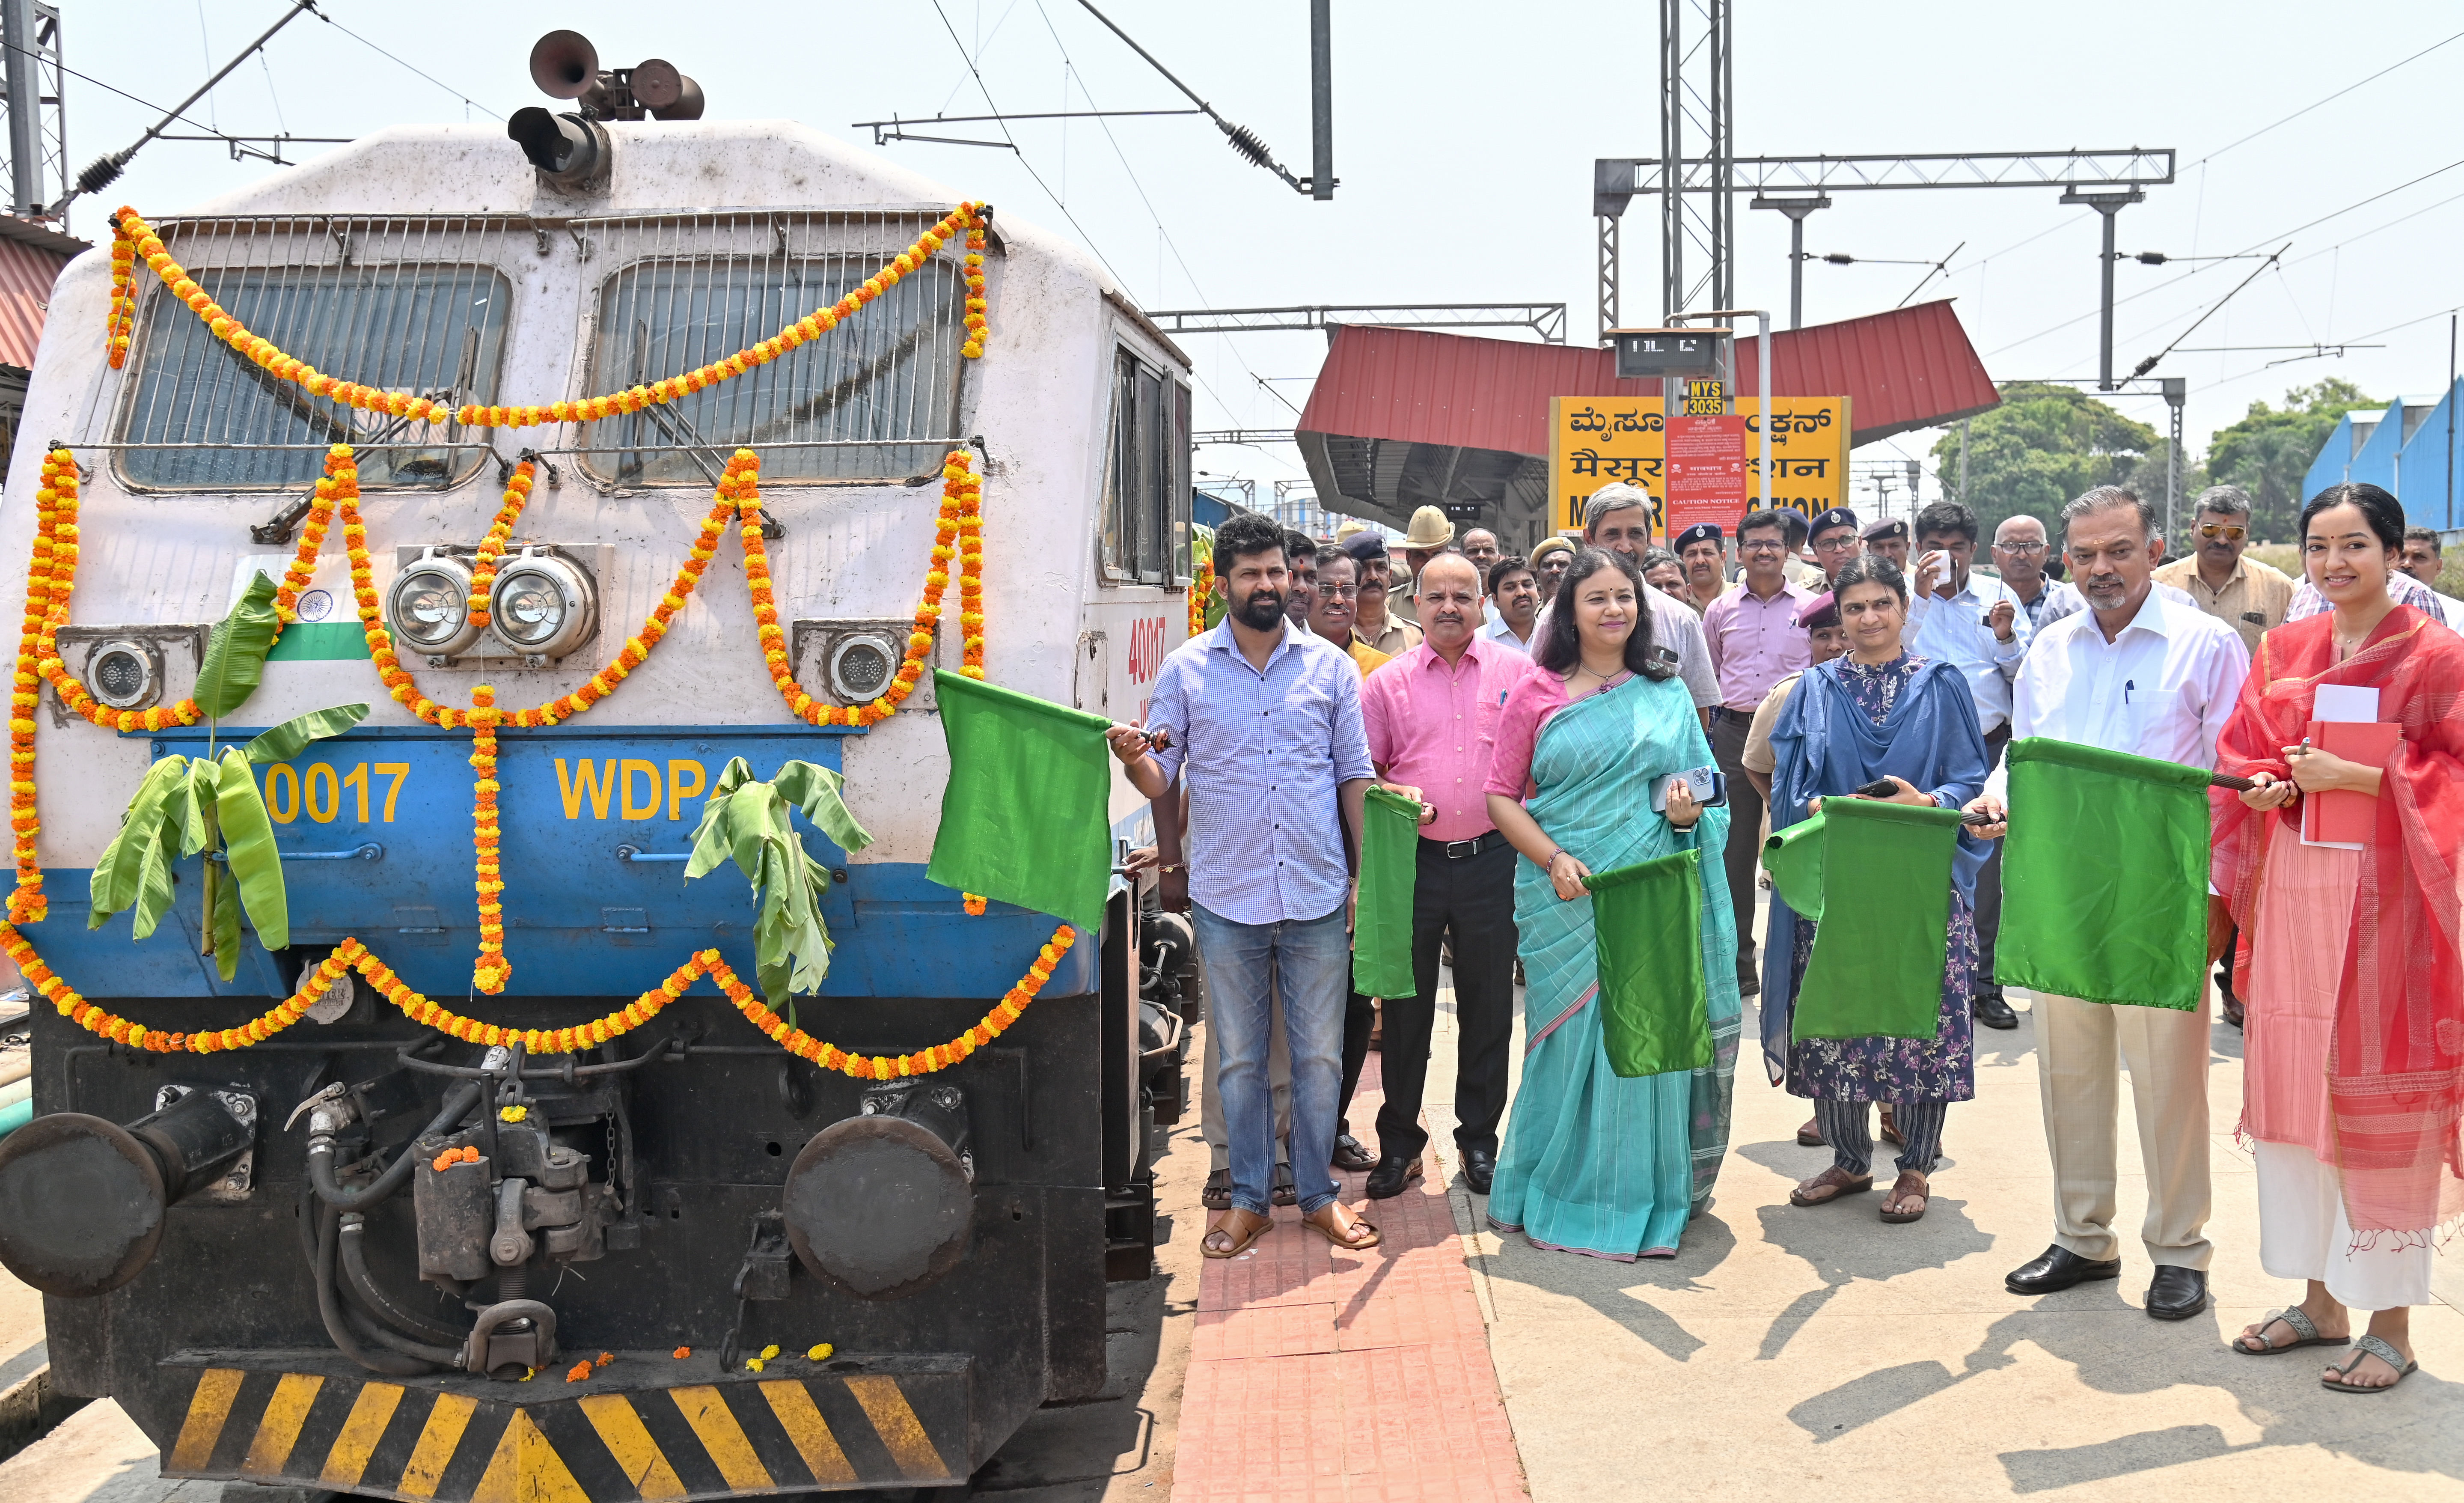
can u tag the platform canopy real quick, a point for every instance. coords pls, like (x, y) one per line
(1404, 418)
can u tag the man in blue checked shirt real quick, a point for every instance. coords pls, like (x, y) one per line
(1265, 722)
(1980, 626)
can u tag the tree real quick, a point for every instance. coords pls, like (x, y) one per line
(2044, 445)
(2269, 450)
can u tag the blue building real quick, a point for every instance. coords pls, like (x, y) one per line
(2402, 448)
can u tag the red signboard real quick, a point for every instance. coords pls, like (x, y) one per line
(1705, 463)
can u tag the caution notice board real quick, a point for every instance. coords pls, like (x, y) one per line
(1706, 465)
(1595, 441)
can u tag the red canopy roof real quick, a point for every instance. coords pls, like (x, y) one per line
(1909, 368)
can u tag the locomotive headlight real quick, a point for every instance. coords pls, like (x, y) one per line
(428, 608)
(123, 674)
(541, 606)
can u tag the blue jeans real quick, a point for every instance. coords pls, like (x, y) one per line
(1309, 963)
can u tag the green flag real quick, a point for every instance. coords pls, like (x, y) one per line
(1381, 923)
(1025, 818)
(1876, 875)
(2105, 886)
(1655, 1006)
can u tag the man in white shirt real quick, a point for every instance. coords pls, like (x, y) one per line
(2137, 672)
(1980, 626)
(1513, 603)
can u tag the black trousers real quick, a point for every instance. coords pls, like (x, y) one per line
(1472, 902)
(1360, 1021)
(1743, 858)
(1989, 881)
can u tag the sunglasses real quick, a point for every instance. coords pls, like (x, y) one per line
(2229, 532)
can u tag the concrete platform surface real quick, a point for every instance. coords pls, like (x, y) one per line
(1818, 1352)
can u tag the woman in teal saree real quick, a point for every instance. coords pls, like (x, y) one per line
(1593, 1164)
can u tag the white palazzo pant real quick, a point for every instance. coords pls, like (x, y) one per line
(2302, 1233)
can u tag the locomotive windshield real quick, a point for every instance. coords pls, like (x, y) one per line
(877, 402)
(437, 330)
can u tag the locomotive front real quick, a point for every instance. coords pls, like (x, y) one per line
(503, 1039)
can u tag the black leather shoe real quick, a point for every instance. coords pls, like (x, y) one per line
(1991, 1010)
(2058, 1269)
(1391, 1174)
(1480, 1167)
(1350, 1154)
(2176, 1293)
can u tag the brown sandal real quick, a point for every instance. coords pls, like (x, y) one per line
(1839, 1180)
(1239, 1235)
(1903, 1191)
(1362, 1234)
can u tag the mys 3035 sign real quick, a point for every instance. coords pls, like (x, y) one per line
(1594, 440)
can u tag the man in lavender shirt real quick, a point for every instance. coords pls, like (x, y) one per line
(1264, 720)
(1431, 716)
(1756, 642)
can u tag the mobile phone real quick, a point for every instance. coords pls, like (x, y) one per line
(1710, 788)
(1879, 788)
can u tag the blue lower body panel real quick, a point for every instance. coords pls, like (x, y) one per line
(375, 827)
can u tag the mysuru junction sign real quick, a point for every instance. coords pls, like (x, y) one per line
(1594, 440)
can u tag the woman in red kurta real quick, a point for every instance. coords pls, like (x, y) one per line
(2354, 1075)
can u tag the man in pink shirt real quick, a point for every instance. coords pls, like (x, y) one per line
(1754, 642)
(1431, 716)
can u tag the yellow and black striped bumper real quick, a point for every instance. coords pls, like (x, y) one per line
(646, 1427)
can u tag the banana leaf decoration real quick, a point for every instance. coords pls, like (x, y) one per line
(751, 824)
(187, 805)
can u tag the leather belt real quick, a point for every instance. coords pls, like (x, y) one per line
(1466, 850)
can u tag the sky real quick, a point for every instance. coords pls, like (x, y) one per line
(1465, 137)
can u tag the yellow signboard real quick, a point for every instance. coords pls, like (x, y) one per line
(1594, 440)
(1707, 399)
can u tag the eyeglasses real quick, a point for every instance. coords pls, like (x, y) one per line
(2229, 532)
(1835, 544)
(2022, 549)
(1763, 546)
(1338, 591)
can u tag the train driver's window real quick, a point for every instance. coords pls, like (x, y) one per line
(223, 424)
(1143, 534)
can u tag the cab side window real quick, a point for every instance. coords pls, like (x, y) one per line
(1144, 534)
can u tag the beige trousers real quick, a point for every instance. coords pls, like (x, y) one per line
(1279, 1079)
(2081, 1049)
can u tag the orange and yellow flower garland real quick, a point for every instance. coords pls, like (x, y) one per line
(958, 533)
(56, 557)
(124, 298)
(968, 218)
(1201, 589)
(492, 969)
(26, 903)
(492, 548)
(352, 954)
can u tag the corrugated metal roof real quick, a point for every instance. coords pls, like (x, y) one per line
(1911, 367)
(26, 278)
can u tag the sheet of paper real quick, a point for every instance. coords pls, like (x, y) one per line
(2347, 703)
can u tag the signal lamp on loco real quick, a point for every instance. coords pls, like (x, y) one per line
(861, 667)
(543, 606)
(428, 608)
(125, 675)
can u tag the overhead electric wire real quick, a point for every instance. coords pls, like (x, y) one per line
(2149, 363)
(2329, 100)
(310, 8)
(1242, 139)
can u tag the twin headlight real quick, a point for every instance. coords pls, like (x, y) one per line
(540, 606)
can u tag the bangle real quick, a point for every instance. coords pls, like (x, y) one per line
(1177, 865)
(1551, 862)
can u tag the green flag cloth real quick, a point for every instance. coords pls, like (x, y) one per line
(1884, 905)
(1381, 923)
(2105, 886)
(1655, 1006)
(1026, 816)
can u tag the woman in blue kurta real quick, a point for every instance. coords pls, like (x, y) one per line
(1593, 1163)
(1878, 713)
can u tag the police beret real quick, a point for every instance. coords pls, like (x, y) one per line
(1887, 527)
(1699, 532)
(1836, 516)
(1364, 547)
(1819, 607)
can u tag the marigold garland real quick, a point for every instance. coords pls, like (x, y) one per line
(500, 535)
(968, 217)
(27, 904)
(1200, 588)
(55, 557)
(351, 954)
(124, 298)
(957, 534)
(492, 969)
